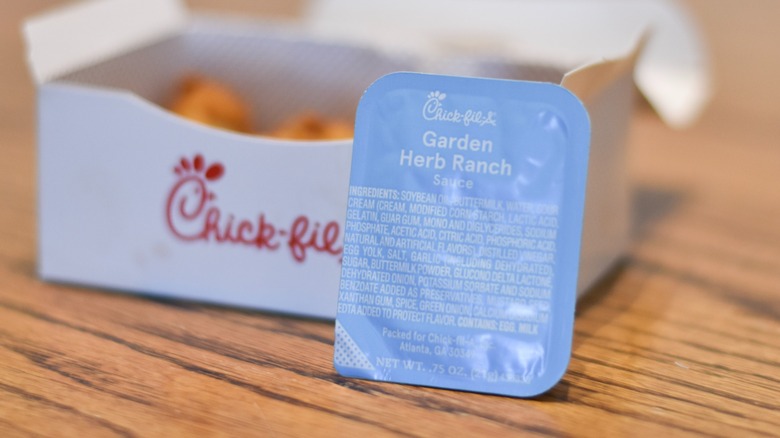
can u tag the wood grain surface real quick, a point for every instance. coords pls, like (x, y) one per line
(682, 339)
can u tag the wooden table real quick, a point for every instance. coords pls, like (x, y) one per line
(683, 339)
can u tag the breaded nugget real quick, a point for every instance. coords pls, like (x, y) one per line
(311, 126)
(207, 101)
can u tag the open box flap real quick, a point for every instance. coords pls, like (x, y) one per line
(672, 71)
(86, 33)
(588, 80)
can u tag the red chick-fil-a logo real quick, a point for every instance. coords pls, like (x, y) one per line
(192, 215)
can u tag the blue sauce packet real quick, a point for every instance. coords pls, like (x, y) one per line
(462, 239)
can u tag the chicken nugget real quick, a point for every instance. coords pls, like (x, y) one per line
(311, 126)
(207, 101)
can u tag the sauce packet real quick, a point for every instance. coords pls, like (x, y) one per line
(462, 238)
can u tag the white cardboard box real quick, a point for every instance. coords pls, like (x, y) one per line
(134, 198)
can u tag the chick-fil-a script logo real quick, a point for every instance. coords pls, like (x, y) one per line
(192, 214)
(434, 109)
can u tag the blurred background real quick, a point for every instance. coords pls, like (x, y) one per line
(744, 74)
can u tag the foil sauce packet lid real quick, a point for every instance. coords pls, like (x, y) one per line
(462, 238)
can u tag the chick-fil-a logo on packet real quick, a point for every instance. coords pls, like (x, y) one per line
(192, 213)
(434, 109)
